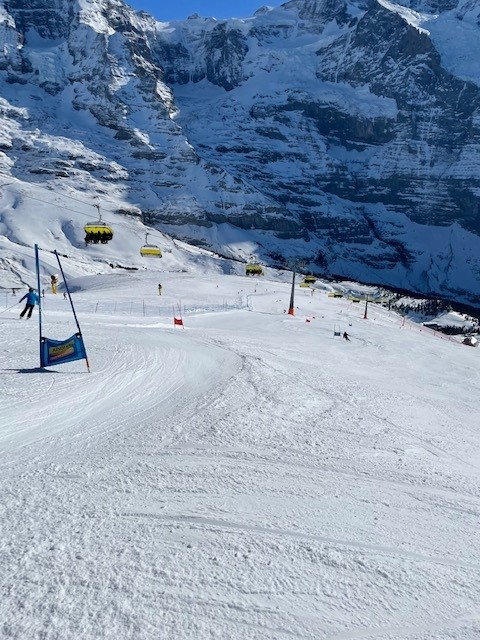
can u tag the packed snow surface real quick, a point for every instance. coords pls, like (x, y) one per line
(247, 476)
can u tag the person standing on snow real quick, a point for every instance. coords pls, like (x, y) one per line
(346, 336)
(32, 300)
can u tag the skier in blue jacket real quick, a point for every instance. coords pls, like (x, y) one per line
(32, 300)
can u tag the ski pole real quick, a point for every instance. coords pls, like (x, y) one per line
(11, 307)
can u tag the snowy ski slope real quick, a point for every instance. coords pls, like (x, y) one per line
(249, 476)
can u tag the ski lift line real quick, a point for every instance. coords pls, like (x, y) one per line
(27, 195)
(82, 213)
(40, 186)
(63, 195)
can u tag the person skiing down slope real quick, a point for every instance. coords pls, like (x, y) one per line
(346, 336)
(32, 300)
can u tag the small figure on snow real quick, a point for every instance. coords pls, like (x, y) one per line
(159, 289)
(32, 300)
(346, 336)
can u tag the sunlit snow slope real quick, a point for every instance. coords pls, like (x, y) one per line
(248, 476)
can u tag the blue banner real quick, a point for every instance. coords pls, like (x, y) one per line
(60, 351)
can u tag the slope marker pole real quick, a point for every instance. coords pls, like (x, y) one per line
(291, 308)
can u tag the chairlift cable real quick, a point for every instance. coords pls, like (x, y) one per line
(66, 208)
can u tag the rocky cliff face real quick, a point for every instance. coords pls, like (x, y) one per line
(343, 132)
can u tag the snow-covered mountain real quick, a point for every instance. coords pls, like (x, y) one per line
(346, 133)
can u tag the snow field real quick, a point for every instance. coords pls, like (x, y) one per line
(247, 477)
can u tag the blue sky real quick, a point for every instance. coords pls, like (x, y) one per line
(181, 9)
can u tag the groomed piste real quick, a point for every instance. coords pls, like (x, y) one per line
(248, 475)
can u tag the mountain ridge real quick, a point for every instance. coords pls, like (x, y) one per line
(332, 131)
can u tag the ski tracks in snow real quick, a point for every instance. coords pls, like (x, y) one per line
(206, 484)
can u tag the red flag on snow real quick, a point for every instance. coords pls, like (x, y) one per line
(178, 321)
